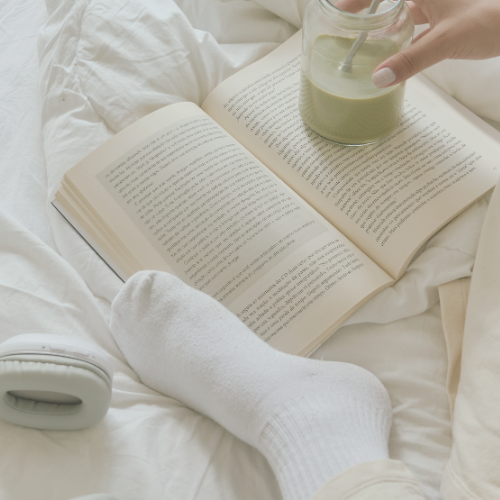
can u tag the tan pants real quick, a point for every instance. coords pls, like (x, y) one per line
(380, 480)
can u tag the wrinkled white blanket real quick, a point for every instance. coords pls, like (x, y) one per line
(105, 64)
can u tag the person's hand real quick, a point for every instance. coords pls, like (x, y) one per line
(459, 29)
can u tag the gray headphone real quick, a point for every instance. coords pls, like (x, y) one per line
(53, 382)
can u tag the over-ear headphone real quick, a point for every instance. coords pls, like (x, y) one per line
(53, 382)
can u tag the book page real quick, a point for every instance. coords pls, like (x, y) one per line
(181, 195)
(388, 197)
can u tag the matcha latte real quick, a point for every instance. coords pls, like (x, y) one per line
(346, 107)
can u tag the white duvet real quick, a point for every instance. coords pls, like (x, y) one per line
(105, 64)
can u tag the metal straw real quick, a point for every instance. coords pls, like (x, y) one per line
(347, 63)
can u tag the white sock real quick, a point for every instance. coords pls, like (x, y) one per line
(311, 419)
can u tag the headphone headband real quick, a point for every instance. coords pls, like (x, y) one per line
(57, 345)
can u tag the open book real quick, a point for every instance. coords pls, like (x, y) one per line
(290, 232)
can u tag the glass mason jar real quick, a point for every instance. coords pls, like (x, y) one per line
(341, 103)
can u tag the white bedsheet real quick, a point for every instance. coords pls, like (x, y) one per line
(105, 64)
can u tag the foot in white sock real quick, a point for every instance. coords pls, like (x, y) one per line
(311, 419)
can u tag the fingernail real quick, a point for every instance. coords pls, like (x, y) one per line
(383, 77)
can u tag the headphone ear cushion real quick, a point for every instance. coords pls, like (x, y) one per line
(86, 384)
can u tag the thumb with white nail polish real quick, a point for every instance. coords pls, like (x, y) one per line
(425, 51)
(458, 29)
(383, 78)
